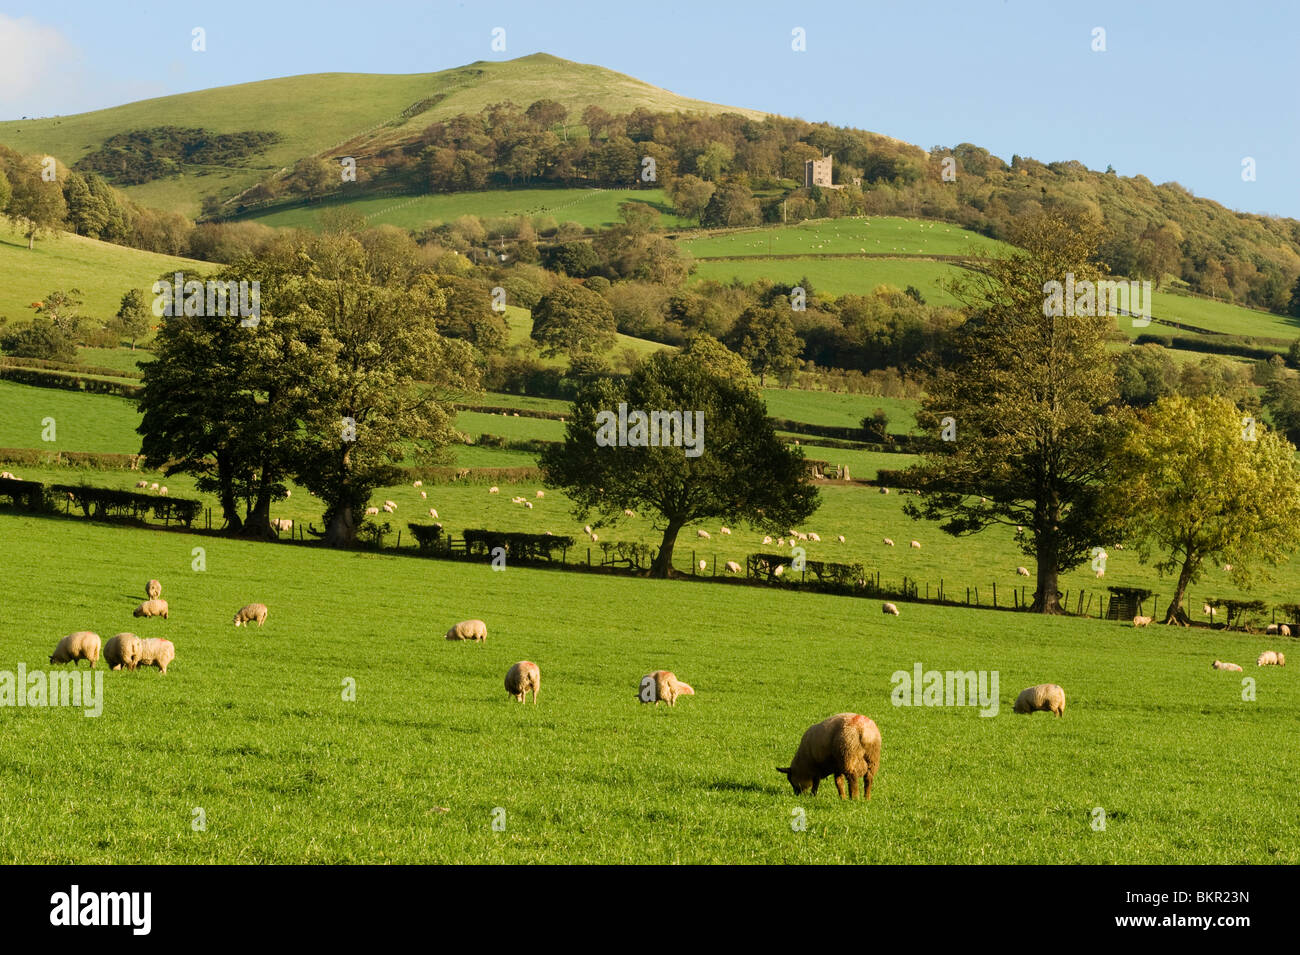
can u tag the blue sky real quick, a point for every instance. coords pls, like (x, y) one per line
(1184, 91)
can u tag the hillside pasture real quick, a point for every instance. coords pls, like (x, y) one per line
(255, 727)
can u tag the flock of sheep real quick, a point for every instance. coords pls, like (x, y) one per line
(128, 651)
(1266, 659)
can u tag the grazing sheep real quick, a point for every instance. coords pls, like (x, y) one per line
(1220, 665)
(587, 528)
(767, 540)
(418, 484)
(733, 567)
(841, 538)
(162, 491)
(884, 490)
(1046, 696)
(847, 744)
(1101, 573)
(1271, 628)
(780, 569)
(1284, 630)
(516, 500)
(468, 630)
(392, 504)
(1227, 568)
(371, 511)
(666, 687)
(137, 483)
(153, 589)
(82, 645)
(916, 545)
(888, 542)
(541, 494)
(1271, 658)
(433, 512)
(1022, 571)
(157, 652)
(282, 524)
(780, 542)
(250, 613)
(424, 495)
(494, 490)
(891, 609)
(153, 486)
(1208, 611)
(1141, 621)
(122, 650)
(724, 530)
(388, 508)
(811, 537)
(704, 534)
(528, 504)
(521, 678)
(151, 608)
(703, 564)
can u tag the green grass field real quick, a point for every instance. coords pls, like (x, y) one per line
(840, 275)
(1214, 316)
(593, 208)
(840, 410)
(252, 727)
(102, 271)
(847, 236)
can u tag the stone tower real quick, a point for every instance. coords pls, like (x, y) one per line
(817, 172)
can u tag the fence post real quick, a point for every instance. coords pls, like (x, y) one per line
(995, 595)
(967, 596)
(588, 556)
(977, 596)
(399, 538)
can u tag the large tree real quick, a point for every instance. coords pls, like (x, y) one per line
(1028, 406)
(573, 320)
(1199, 482)
(742, 471)
(36, 204)
(382, 380)
(764, 336)
(134, 316)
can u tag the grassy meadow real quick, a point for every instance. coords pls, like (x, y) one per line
(847, 236)
(592, 208)
(252, 727)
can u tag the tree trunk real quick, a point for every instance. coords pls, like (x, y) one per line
(1047, 598)
(259, 519)
(1176, 614)
(229, 506)
(663, 564)
(341, 531)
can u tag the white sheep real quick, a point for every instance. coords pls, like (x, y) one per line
(1284, 630)
(433, 512)
(151, 608)
(121, 651)
(521, 678)
(249, 613)
(811, 537)
(541, 494)
(468, 630)
(1271, 628)
(888, 543)
(418, 484)
(1022, 571)
(704, 534)
(371, 511)
(733, 567)
(162, 491)
(1220, 665)
(137, 483)
(841, 538)
(1271, 658)
(703, 564)
(891, 609)
(494, 490)
(388, 508)
(586, 528)
(628, 512)
(884, 490)
(153, 486)
(392, 505)
(1101, 573)
(1046, 696)
(663, 685)
(724, 530)
(1141, 621)
(282, 524)
(1227, 568)
(153, 589)
(424, 495)
(82, 645)
(767, 540)
(916, 545)
(780, 569)
(594, 538)
(156, 652)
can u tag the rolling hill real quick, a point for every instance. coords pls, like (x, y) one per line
(317, 113)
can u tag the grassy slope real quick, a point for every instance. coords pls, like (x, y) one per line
(317, 112)
(839, 276)
(868, 234)
(102, 271)
(252, 727)
(593, 208)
